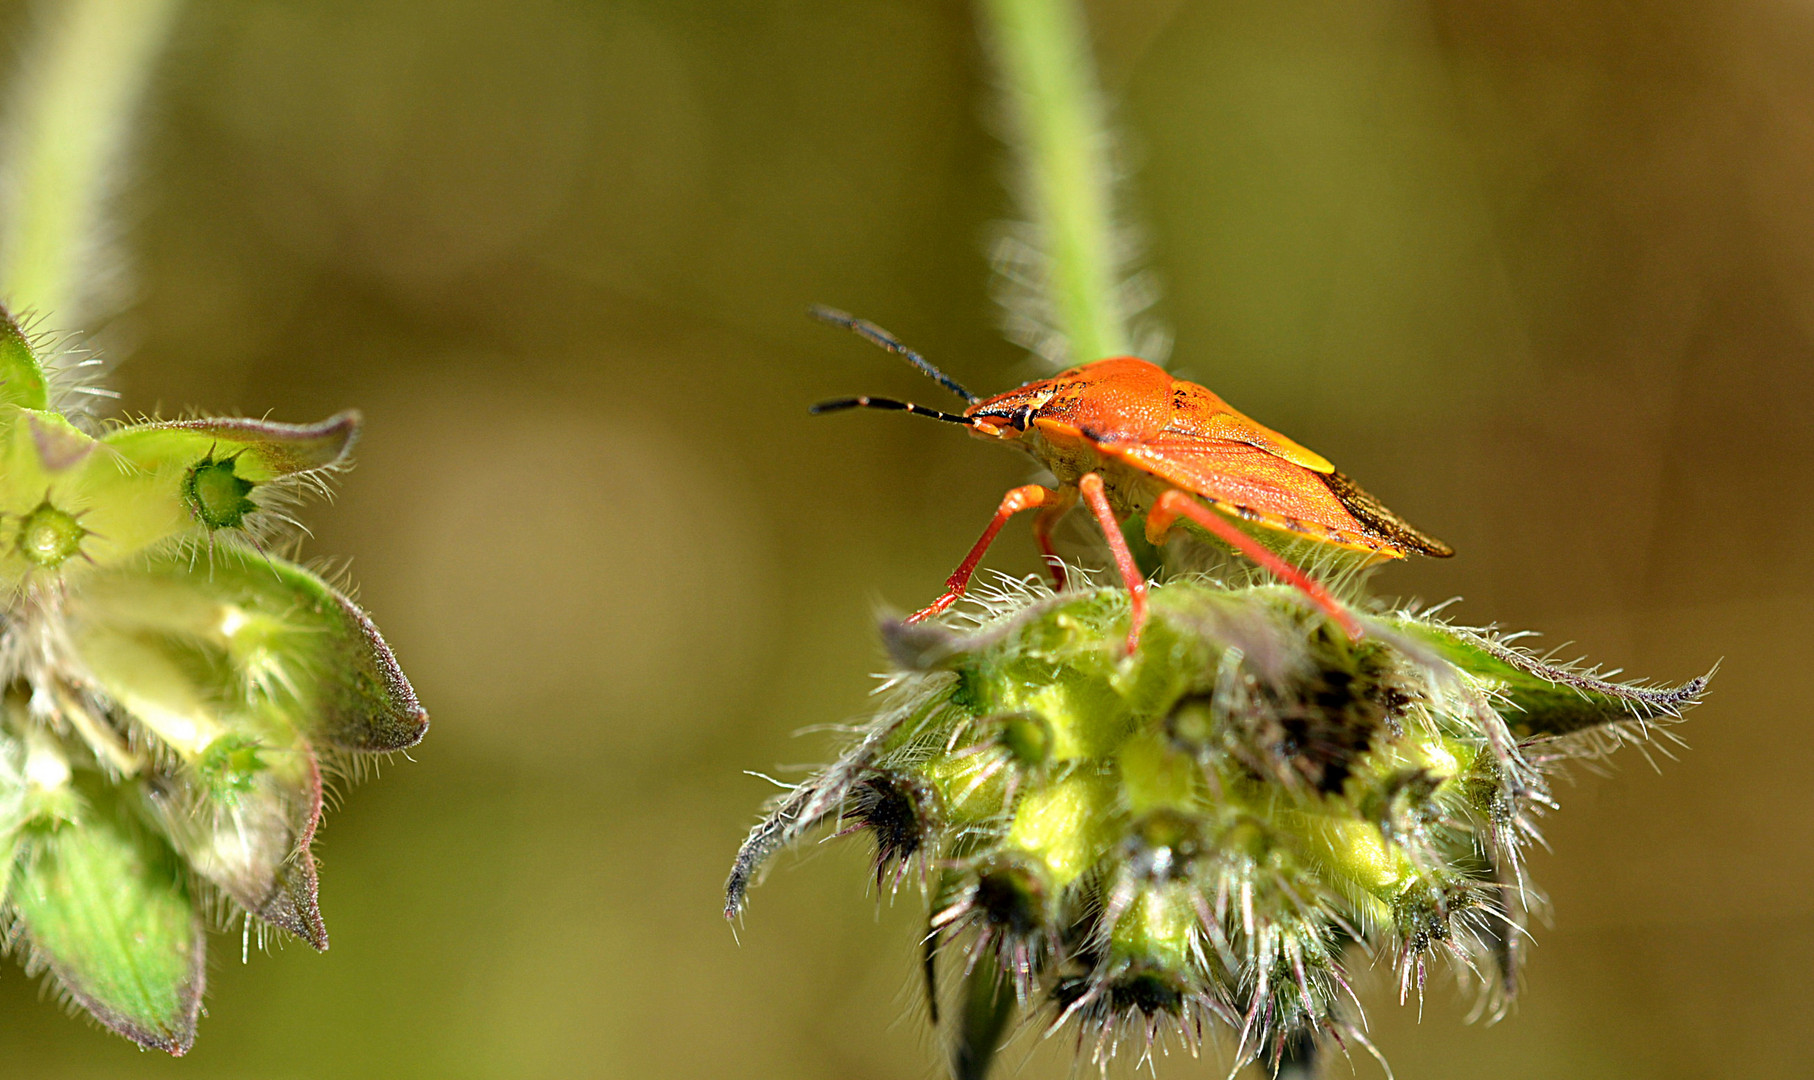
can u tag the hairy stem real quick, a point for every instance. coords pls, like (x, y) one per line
(1063, 149)
(66, 128)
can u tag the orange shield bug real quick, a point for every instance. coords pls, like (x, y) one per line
(1133, 441)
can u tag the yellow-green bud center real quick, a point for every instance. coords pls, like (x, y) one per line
(216, 494)
(49, 536)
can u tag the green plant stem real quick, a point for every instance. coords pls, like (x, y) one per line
(66, 128)
(1064, 143)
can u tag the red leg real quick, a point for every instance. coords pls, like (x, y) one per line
(1056, 507)
(1098, 500)
(1021, 498)
(1175, 503)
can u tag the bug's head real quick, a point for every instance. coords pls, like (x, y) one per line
(1008, 416)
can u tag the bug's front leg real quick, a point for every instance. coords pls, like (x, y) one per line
(1028, 497)
(1097, 499)
(1173, 504)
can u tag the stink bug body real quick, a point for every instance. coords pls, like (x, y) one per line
(1134, 441)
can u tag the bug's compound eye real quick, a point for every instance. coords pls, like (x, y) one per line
(48, 536)
(1005, 421)
(217, 494)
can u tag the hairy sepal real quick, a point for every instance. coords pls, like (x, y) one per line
(253, 629)
(22, 380)
(243, 676)
(247, 825)
(1544, 698)
(265, 450)
(133, 488)
(102, 905)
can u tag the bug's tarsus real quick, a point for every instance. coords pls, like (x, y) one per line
(892, 405)
(876, 335)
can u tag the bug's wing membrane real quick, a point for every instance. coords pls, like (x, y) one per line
(1373, 514)
(1274, 491)
(1199, 414)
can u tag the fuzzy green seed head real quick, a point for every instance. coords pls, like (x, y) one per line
(1201, 831)
(217, 495)
(49, 537)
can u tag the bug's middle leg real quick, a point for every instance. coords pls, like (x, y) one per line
(1098, 501)
(1027, 497)
(1173, 504)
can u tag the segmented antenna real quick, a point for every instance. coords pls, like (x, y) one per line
(890, 404)
(877, 336)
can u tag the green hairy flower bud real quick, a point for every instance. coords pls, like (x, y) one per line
(217, 495)
(172, 695)
(1207, 830)
(49, 536)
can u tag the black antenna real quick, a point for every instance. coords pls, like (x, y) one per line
(890, 403)
(876, 335)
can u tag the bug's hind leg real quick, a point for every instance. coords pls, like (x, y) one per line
(1029, 497)
(1173, 504)
(1056, 507)
(1098, 501)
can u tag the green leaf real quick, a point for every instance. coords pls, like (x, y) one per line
(21, 376)
(179, 644)
(104, 908)
(263, 450)
(1546, 699)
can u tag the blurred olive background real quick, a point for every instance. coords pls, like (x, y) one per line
(1539, 275)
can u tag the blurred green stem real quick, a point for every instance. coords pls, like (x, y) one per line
(66, 128)
(1064, 145)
